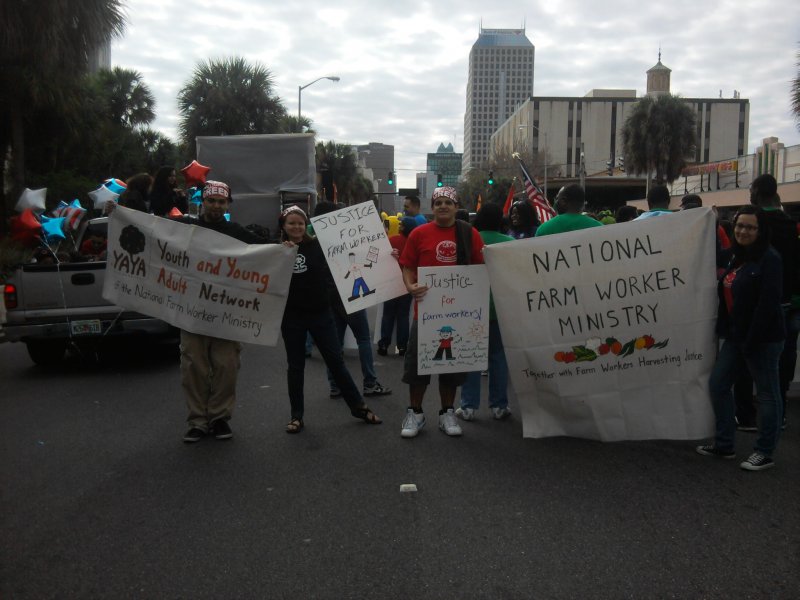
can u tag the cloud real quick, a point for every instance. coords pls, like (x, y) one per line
(403, 65)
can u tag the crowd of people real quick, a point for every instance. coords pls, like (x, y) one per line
(758, 256)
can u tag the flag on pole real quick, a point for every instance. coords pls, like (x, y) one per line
(478, 203)
(509, 200)
(544, 211)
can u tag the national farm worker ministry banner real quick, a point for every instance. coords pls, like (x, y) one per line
(197, 279)
(609, 331)
(359, 255)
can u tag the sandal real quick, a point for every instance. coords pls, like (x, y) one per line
(294, 426)
(367, 415)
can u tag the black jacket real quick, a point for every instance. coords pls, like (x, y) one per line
(757, 316)
(783, 237)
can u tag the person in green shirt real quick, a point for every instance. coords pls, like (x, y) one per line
(571, 200)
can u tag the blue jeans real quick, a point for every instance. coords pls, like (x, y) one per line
(294, 328)
(395, 311)
(359, 324)
(498, 375)
(762, 363)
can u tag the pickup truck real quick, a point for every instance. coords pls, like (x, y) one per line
(53, 307)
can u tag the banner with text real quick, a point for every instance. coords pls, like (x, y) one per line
(197, 279)
(359, 256)
(609, 331)
(453, 320)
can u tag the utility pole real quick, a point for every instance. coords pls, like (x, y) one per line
(582, 168)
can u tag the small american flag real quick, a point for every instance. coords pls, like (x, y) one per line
(544, 211)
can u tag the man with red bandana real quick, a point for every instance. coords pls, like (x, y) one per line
(430, 245)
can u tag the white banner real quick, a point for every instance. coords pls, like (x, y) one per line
(453, 320)
(359, 256)
(197, 279)
(609, 331)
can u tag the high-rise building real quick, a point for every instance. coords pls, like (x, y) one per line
(500, 79)
(445, 162)
(380, 158)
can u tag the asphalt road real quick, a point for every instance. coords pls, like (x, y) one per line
(101, 499)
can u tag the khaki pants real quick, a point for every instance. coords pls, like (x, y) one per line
(209, 367)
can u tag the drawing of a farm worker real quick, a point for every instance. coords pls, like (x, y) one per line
(445, 343)
(359, 285)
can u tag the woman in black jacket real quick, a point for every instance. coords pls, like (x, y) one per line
(751, 322)
(165, 195)
(308, 310)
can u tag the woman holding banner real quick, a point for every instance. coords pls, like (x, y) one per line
(308, 310)
(751, 322)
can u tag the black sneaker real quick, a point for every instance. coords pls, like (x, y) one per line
(376, 389)
(401, 351)
(221, 430)
(757, 462)
(335, 393)
(193, 435)
(746, 427)
(714, 451)
(382, 350)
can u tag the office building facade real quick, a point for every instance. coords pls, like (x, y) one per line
(500, 79)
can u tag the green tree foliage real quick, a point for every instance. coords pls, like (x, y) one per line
(129, 101)
(44, 49)
(291, 124)
(228, 97)
(658, 137)
(340, 162)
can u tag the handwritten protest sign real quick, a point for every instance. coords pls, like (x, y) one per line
(453, 319)
(608, 331)
(197, 279)
(359, 256)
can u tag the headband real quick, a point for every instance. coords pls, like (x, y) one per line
(447, 192)
(216, 188)
(293, 208)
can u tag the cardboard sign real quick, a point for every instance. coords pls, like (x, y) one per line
(453, 320)
(359, 256)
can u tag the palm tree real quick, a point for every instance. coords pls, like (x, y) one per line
(291, 124)
(340, 163)
(658, 136)
(228, 97)
(130, 101)
(44, 48)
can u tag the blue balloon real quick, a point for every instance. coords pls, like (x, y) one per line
(52, 229)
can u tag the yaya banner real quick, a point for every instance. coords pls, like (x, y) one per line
(359, 256)
(197, 279)
(609, 331)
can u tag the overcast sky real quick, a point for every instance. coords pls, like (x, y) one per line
(403, 64)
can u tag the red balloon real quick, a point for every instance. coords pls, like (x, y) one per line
(26, 229)
(175, 212)
(195, 173)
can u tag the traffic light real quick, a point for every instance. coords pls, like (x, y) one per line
(491, 178)
(439, 180)
(390, 178)
(610, 167)
(621, 163)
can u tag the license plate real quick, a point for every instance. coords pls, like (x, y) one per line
(85, 327)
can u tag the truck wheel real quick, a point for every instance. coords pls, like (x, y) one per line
(46, 352)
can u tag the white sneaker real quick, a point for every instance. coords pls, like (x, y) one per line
(501, 412)
(448, 423)
(468, 414)
(412, 424)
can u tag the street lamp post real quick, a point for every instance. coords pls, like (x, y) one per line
(300, 89)
(544, 133)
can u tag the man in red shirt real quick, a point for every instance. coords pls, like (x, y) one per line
(430, 245)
